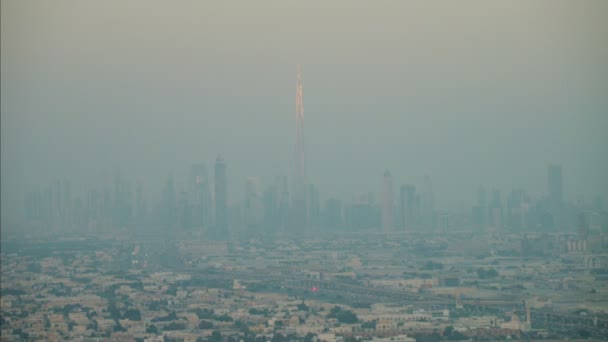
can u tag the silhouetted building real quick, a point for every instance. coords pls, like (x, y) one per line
(271, 207)
(516, 210)
(122, 210)
(33, 206)
(92, 213)
(168, 210)
(363, 213)
(284, 205)
(200, 196)
(184, 211)
(428, 203)
(496, 210)
(313, 206)
(387, 203)
(254, 210)
(333, 214)
(221, 199)
(407, 206)
(298, 213)
(479, 216)
(235, 218)
(444, 222)
(140, 204)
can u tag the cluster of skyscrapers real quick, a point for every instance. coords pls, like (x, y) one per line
(286, 206)
(523, 212)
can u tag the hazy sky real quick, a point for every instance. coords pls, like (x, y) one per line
(470, 92)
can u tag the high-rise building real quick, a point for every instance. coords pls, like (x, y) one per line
(387, 203)
(33, 205)
(140, 203)
(313, 206)
(333, 214)
(184, 210)
(407, 206)
(363, 214)
(271, 206)
(221, 198)
(444, 222)
(515, 210)
(298, 213)
(480, 210)
(554, 178)
(479, 216)
(200, 196)
(122, 201)
(300, 178)
(428, 202)
(67, 203)
(253, 209)
(496, 209)
(169, 204)
(284, 204)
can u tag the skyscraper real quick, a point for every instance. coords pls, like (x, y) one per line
(333, 214)
(444, 222)
(168, 211)
(496, 218)
(387, 202)
(313, 206)
(200, 196)
(514, 210)
(221, 201)
(407, 203)
(300, 178)
(271, 206)
(253, 210)
(284, 204)
(363, 213)
(140, 203)
(428, 202)
(298, 210)
(480, 210)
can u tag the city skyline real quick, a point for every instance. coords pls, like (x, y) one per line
(299, 182)
(273, 208)
(444, 177)
(455, 105)
(395, 215)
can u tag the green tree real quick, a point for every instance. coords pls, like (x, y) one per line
(369, 325)
(133, 315)
(152, 329)
(242, 326)
(202, 324)
(486, 274)
(343, 316)
(216, 336)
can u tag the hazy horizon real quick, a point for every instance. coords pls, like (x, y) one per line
(469, 93)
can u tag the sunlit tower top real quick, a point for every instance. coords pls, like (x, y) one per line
(300, 178)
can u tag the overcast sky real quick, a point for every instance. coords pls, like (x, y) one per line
(469, 92)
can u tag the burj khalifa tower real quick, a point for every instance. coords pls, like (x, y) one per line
(299, 210)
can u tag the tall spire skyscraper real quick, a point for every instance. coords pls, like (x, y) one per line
(299, 212)
(300, 178)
